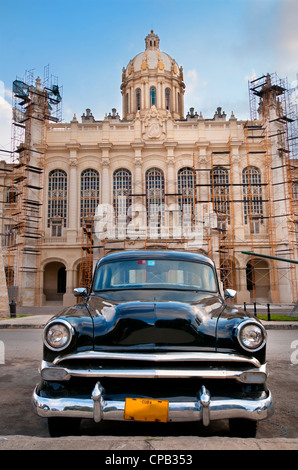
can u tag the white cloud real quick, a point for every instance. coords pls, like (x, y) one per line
(195, 90)
(192, 80)
(5, 121)
(251, 77)
(287, 39)
(67, 113)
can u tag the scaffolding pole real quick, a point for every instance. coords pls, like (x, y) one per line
(34, 105)
(272, 95)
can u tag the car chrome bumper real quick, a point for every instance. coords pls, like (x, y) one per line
(205, 408)
(241, 372)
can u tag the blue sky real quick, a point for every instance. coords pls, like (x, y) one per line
(220, 44)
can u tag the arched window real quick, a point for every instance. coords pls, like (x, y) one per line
(9, 238)
(89, 193)
(168, 99)
(155, 195)
(220, 194)
(57, 198)
(138, 99)
(186, 187)
(9, 275)
(11, 196)
(295, 191)
(121, 191)
(152, 96)
(252, 197)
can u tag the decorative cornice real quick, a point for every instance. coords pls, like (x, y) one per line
(169, 143)
(105, 145)
(73, 146)
(202, 143)
(137, 145)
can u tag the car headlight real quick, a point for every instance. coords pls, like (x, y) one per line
(251, 335)
(58, 335)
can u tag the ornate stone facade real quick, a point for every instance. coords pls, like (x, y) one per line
(155, 165)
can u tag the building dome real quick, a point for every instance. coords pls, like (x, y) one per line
(152, 59)
(152, 78)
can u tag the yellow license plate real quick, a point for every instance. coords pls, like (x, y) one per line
(145, 409)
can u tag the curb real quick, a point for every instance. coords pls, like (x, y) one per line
(35, 321)
(139, 444)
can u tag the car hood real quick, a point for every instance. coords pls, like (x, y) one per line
(149, 324)
(107, 323)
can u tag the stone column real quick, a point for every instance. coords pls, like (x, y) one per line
(236, 191)
(202, 177)
(203, 207)
(105, 179)
(138, 210)
(143, 104)
(68, 297)
(172, 211)
(173, 97)
(146, 95)
(159, 88)
(243, 295)
(132, 100)
(171, 177)
(73, 195)
(138, 181)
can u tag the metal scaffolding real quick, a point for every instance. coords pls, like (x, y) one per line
(35, 103)
(278, 121)
(266, 198)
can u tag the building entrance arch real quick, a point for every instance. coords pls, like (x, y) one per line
(54, 285)
(258, 279)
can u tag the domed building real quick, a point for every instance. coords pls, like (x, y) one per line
(153, 178)
(152, 78)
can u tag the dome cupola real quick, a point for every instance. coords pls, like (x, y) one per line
(152, 41)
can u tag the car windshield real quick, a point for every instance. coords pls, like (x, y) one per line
(155, 274)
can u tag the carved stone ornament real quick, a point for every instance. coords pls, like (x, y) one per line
(73, 162)
(153, 128)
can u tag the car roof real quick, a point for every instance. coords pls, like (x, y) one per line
(161, 254)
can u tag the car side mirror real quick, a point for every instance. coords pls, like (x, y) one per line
(230, 293)
(80, 292)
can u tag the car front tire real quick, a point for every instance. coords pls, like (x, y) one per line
(243, 427)
(59, 427)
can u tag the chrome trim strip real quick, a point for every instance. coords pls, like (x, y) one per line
(160, 357)
(241, 374)
(204, 409)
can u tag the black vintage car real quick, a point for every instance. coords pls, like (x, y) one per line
(153, 340)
